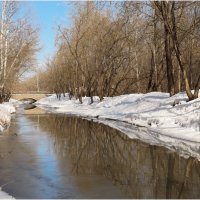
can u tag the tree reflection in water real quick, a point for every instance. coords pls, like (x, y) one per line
(141, 170)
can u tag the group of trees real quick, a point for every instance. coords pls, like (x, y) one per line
(18, 43)
(180, 21)
(114, 48)
(125, 47)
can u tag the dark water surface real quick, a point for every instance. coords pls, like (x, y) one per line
(55, 156)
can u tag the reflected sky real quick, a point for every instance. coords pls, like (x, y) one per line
(34, 164)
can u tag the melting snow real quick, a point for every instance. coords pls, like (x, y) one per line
(6, 109)
(4, 195)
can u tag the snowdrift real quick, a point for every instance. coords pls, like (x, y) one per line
(4, 195)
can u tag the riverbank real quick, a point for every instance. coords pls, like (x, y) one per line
(171, 120)
(6, 109)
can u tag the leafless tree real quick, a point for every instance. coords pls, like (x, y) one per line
(18, 40)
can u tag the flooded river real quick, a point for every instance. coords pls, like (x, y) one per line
(55, 156)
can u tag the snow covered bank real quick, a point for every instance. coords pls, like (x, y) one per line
(167, 120)
(4, 195)
(6, 109)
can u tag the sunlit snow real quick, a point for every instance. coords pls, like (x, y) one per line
(6, 109)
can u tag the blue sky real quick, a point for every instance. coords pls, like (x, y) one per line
(48, 15)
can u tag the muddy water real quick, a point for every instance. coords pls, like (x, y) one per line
(54, 156)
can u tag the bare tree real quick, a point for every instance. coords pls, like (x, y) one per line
(18, 40)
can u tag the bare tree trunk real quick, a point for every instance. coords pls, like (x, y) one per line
(136, 62)
(179, 79)
(154, 50)
(149, 87)
(6, 53)
(168, 57)
(2, 37)
(178, 54)
(196, 92)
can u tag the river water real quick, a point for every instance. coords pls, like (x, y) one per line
(46, 155)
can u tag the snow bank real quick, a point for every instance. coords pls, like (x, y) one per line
(170, 119)
(6, 109)
(4, 195)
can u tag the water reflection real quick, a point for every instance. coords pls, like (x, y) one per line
(30, 109)
(138, 169)
(31, 168)
(29, 106)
